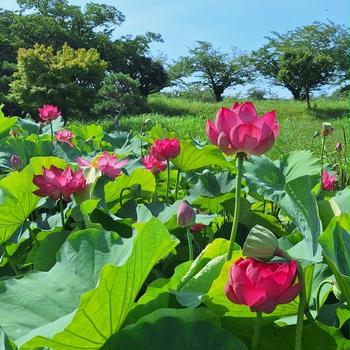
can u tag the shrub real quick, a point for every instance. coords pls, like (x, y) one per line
(67, 78)
(197, 93)
(119, 95)
(256, 94)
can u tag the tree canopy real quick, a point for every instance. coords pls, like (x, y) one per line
(69, 78)
(212, 68)
(56, 23)
(306, 58)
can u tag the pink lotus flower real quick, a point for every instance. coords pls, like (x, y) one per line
(240, 129)
(106, 163)
(328, 181)
(150, 162)
(64, 136)
(56, 183)
(16, 162)
(49, 112)
(165, 149)
(262, 285)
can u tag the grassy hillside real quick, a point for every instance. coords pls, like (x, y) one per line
(297, 123)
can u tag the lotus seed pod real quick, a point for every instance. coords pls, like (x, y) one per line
(327, 129)
(261, 244)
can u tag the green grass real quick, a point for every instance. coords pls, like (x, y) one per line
(297, 123)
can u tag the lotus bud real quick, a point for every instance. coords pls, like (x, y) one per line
(16, 162)
(261, 244)
(336, 291)
(338, 147)
(327, 129)
(186, 216)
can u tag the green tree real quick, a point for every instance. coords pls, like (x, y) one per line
(342, 57)
(131, 56)
(55, 22)
(119, 95)
(305, 59)
(96, 18)
(68, 78)
(214, 69)
(304, 70)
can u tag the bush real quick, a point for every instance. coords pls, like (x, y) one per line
(256, 94)
(197, 93)
(119, 95)
(67, 78)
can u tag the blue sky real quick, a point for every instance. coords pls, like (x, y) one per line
(225, 23)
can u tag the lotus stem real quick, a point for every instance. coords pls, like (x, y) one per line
(237, 205)
(257, 329)
(167, 182)
(11, 263)
(318, 294)
(177, 184)
(61, 210)
(51, 128)
(189, 241)
(341, 172)
(345, 148)
(33, 236)
(322, 154)
(121, 195)
(302, 302)
(301, 310)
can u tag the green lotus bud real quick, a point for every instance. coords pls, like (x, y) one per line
(337, 291)
(261, 244)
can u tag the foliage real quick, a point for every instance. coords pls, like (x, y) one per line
(69, 78)
(188, 117)
(215, 70)
(342, 46)
(306, 58)
(256, 94)
(54, 23)
(114, 273)
(194, 93)
(119, 94)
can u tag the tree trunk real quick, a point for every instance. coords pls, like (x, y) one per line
(218, 95)
(307, 93)
(296, 95)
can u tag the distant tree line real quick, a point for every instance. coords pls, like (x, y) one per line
(54, 52)
(301, 60)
